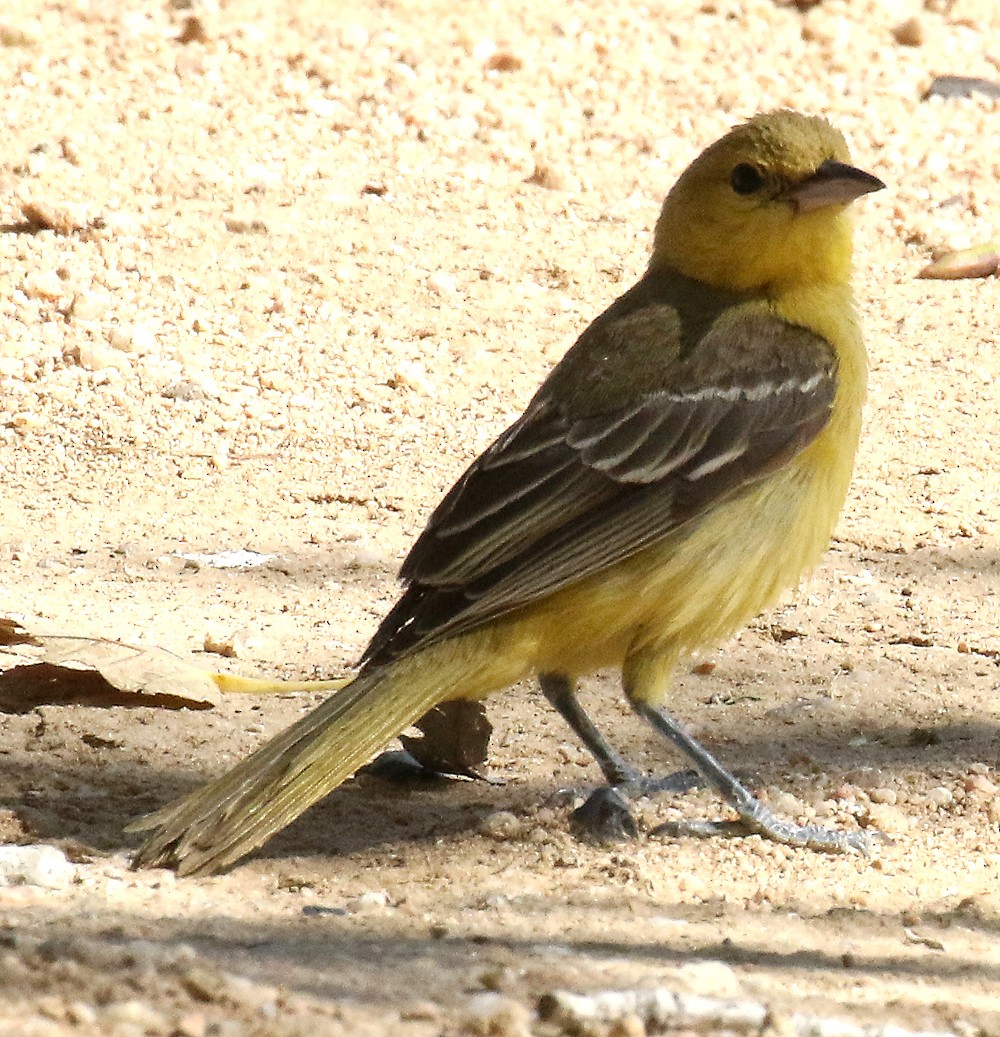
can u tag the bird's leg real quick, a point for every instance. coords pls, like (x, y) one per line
(754, 816)
(561, 695)
(606, 813)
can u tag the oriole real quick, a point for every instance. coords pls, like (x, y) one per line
(681, 466)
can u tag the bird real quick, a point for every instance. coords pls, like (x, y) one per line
(680, 467)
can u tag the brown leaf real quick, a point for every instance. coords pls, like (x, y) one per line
(95, 672)
(980, 261)
(12, 633)
(456, 739)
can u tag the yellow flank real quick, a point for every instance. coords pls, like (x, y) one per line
(703, 583)
(698, 586)
(726, 386)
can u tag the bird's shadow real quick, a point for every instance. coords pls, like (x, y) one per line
(88, 801)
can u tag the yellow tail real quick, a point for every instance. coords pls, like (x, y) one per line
(216, 825)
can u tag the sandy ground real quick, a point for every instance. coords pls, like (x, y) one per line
(305, 265)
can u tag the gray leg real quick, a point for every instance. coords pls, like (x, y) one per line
(561, 695)
(605, 815)
(754, 816)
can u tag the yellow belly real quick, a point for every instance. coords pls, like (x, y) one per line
(705, 581)
(702, 583)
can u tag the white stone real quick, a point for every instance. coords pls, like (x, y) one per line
(39, 865)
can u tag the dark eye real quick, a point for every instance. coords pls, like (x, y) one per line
(746, 179)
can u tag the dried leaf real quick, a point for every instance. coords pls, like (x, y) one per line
(12, 633)
(980, 261)
(456, 739)
(96, 672)
(950, 87)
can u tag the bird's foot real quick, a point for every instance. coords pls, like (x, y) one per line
(759, 820)
(604, 817)
(754, 817)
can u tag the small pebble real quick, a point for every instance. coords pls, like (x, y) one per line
(186, 390)
(81, 1014)
(259, 997)
(411, 375)
(191, 1024)
(203, 984)
(442, 284)
(909, 33)
(494, 1015)
(503, 61)
(193, 31)
(43, 284)
(545, 175)
(132, 338)
(366, 556)
(940, 797)
(354, 37)
(845, 793)
(883, 795)
(866, 778)
(26, 421)
(981, 784)
(421, 1011)
(630, 1025)
(693, 886)
(710, 978)
(279, 381)
(143, 1017)
(96, 356)
(503, 826)
(786, 804)
(89, 305)
(39, 865)
(51, 1007)
(373, 900)
(888, 819)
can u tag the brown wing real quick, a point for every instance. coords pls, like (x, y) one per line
(593, 473)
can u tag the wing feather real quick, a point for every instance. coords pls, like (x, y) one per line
(574, 487)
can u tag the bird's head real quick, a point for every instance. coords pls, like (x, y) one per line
(763, 208)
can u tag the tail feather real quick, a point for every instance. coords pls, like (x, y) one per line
(214, 826)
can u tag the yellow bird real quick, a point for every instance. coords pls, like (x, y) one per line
(681, 466)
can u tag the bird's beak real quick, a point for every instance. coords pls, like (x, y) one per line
(834, 183)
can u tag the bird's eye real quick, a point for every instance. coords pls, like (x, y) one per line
(746, 179)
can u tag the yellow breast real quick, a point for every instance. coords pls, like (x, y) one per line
(706, 580)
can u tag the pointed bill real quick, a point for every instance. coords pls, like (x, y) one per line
(834, 183)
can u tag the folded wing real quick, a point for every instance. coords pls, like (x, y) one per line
(568, 491)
